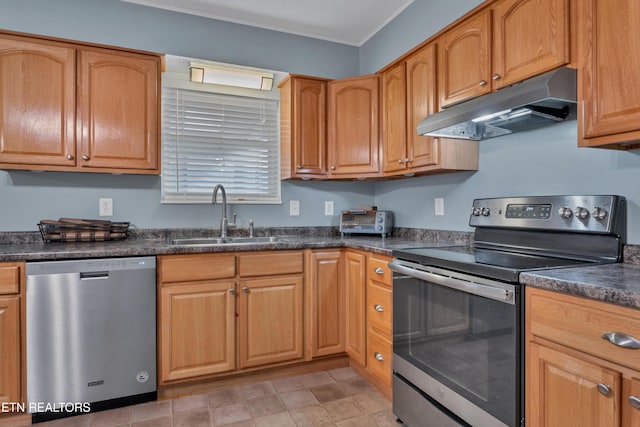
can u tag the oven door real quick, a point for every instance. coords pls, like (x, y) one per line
(457, 340)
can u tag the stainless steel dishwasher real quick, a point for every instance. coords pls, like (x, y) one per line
(91, 335)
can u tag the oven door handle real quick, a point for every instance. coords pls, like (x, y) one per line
(482, 290)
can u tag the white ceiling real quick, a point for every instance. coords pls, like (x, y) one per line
(351, 22)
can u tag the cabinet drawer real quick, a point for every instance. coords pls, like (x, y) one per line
(379, 309)
(378, 270)
(272, 263)
(193, 267)
(379, 351)
(9, 278)
(580, 323)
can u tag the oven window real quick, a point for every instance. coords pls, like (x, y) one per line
(467, 342)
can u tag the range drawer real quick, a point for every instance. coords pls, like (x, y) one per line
(379, 308)
(378, 269)
(579, 323)
(9, 278)
(379, 350)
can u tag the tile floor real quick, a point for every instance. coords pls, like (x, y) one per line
(338, 397)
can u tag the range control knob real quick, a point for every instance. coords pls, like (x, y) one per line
(565, 212)
(476, 211)
(598, 213)
(486, 211)
(581, 213)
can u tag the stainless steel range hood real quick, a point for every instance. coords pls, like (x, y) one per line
(534, 103)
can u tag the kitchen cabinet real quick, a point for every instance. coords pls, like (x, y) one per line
(608, 79)
(11, 332)
(196, 315)
(355, 282)
(220, 313)
(574, 377)
(303, 127)
(326, 302)
(353, 128)
(409, 94)
(505, 43)
(379, 317)
(74, 107)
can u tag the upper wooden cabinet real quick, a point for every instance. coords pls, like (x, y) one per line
(70, 107)
(409, 94)
(608, 77)
(353, 123)
(508, 42)
(303, 127)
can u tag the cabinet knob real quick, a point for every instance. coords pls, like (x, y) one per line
(378, 308)
(69, 156)
(333, 168)
(232, 291)
(85, 157)
(378, 357)
(298, 166)
(245, 290)
(604, 389)
(483, 82)
(634, 401)
(400, 161)
(496, 77)
(407, 160)
(379, 271)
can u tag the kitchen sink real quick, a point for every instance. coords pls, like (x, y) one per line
(212, 241)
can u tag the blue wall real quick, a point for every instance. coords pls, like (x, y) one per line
(541, 162)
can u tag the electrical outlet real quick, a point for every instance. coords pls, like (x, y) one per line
(439, 206)
(105, 207)
(294, 208)
(328, 207)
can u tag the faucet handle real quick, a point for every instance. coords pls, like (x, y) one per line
(250, 228)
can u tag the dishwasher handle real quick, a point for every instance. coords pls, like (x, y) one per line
(94, 275)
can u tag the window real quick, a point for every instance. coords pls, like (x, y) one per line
(218, 138)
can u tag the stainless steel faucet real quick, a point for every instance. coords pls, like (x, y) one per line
(224, 224)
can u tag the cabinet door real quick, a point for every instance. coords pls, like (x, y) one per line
(310, 126)
(355, 268)
(37, 103)
(609, 81)
(118, 110)
(270, 320)
(464, 60)
(529, 38)
(354, 142)
(10, 355)
(563, 390)
(421, 102)
(197, 329)
(394, 118)
(327, 303)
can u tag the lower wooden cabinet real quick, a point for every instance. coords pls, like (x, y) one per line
(270, 325)
(574, 377)
(11, 332)
(197, 329)
(225, 312)
(326, 303)
(355, 278)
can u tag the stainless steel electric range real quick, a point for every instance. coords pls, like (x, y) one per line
(458, 311)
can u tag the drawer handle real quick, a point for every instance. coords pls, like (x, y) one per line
(379, 270)
(621, 340)
(634, 401)
(378, 308)
(604, 389)
(378, 357)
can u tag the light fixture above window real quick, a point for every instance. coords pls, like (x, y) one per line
(227, 76)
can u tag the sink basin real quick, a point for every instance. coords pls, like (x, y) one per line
(211, 241)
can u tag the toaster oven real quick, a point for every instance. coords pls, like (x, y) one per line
(366, 222)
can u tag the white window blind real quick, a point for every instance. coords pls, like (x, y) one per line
(212, 138)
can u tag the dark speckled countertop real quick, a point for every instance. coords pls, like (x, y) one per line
(613, 283)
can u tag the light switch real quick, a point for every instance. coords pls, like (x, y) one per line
(294, 208)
